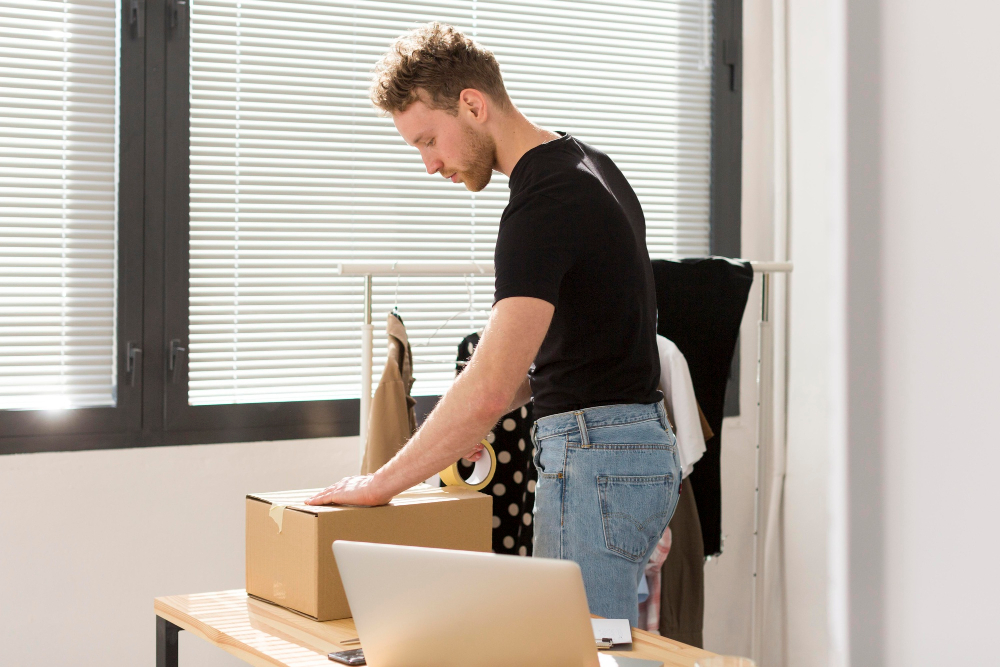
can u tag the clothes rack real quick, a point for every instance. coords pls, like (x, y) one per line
(765, 383)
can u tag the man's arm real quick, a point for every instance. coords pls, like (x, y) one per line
(491, 385)
(521, 397)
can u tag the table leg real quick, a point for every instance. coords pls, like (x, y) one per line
(166, 643)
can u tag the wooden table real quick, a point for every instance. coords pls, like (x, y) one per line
(266, 635)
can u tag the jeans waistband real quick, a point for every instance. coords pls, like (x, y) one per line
(601, 415)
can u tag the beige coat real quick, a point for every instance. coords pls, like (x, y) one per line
(392, 420)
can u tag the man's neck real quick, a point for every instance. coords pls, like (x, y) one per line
(516, 136)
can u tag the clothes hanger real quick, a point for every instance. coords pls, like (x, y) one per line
(395, 299)
(471, 310)
(448, 321)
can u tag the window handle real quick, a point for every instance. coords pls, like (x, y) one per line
(133, 361)
(135, 19)
(176, 350)
(173, 11)
(732, 56)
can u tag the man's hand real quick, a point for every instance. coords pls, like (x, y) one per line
(494, 383)
(360, 490)
(351, 491)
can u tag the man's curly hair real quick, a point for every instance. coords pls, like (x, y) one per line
(440, 61)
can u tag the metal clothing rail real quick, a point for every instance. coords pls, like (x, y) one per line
(368, 270)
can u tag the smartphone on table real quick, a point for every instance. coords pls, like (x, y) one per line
(352, 657)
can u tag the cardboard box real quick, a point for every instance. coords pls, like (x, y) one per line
(295, 567)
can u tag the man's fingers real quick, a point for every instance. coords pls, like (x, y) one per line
(318, 499)
(348, 491)
(476, 454)
(323, 497)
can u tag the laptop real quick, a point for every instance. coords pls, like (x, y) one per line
(417, 607)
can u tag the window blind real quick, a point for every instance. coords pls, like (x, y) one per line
(293, 171)
(58, 198)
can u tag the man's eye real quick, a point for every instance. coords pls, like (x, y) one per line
(430, 143)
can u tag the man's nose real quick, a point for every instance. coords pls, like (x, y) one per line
(433, 165)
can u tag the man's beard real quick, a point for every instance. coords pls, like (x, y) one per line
(482, 151)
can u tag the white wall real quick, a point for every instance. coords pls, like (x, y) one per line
(940, 175)
(893, 147)
(88, 539)
(813, 118)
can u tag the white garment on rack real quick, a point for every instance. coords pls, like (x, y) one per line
(681, 404)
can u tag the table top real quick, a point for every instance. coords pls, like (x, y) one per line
(267, 635)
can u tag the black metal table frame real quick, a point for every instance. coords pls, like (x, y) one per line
(166, 642)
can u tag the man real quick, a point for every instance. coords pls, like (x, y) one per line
(572, 328)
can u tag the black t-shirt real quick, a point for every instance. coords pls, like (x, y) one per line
(573, 234)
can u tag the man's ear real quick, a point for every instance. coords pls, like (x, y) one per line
(474, 103)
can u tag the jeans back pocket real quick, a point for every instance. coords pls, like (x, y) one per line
(635, 511)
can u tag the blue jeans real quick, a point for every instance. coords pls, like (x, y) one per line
(608, 479)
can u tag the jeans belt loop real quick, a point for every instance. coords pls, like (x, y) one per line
(581, 422)
(661, 412)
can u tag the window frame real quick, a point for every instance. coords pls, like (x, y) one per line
(153, 258)
(23, 431)
(726, 180)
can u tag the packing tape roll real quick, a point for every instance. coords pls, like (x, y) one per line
(481, 475)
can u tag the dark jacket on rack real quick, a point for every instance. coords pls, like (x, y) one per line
(700, 306)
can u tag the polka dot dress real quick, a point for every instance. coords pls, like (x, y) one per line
(513, 484)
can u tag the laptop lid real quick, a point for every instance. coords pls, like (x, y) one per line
(418, 607)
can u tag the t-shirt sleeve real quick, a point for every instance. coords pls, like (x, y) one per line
(535, 249)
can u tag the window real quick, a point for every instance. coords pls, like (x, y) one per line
(265, 166)
(68, 181)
